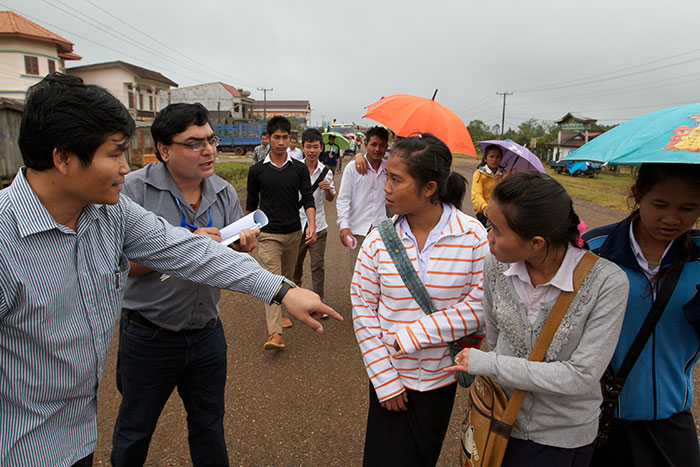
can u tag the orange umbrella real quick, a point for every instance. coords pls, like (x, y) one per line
(408, 115)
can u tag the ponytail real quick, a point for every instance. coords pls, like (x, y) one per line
(454, 190)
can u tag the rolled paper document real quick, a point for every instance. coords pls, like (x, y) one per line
(232, 232)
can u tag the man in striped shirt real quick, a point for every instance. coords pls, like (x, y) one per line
(68, 237)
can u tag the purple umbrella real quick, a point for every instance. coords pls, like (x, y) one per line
(515, 157)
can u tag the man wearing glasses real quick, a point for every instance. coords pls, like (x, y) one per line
(170, 332)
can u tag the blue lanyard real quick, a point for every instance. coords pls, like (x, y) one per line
(184, 223)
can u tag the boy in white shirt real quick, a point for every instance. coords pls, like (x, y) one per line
(361, 205)
(322, 187)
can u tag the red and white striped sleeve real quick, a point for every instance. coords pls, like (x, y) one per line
(364, 295)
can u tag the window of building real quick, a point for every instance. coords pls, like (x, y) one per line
(140, 101)
(31, 65)
(150, 102)
(236, 108)
(52, 66)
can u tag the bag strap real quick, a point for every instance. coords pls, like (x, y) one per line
(398, 255)
(550, 328)
(319, 179)
(657, 308)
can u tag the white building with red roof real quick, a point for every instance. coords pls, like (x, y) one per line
(28, 52)
(225, 103)
(138, 88)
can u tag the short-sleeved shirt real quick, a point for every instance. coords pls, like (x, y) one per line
(178, 304)
(60, 295)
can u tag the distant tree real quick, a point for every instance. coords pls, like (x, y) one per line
(479, 131)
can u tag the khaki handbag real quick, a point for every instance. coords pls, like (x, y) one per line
(490, 415)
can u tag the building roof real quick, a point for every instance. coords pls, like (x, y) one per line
(579, 118)
(14, 104)
(234, 92)
(299, 106)
(575, 139)
(14, 25)
(141, 72)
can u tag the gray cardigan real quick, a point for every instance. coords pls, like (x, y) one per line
(562, 406)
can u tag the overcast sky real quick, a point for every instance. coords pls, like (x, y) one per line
(611, 60)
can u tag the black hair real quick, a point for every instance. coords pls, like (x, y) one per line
(264, 133)
(486, 151)
(650, 175)
(279, 123)
(534, 204)
(379, 132)
(310, 135)
(174, 119)
(61, 112)
(429, 159)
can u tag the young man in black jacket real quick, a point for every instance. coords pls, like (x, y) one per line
(275, 185)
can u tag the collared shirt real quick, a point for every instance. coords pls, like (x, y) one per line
(268, 160)
(319, 199)
(535, 297)
(177, 304)
(260, 152)
(60, 296)
(296, 154)
(361, 203)
(648, 271)
(424, 255)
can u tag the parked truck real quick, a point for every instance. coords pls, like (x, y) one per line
(576, 168)
(239, 138)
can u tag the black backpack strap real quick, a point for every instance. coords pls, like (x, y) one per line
(668, 284)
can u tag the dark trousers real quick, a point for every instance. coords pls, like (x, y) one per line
(84, 462)
(411, 438)
(317, 253)
(151, 362)
(525, 453)
(658, 443)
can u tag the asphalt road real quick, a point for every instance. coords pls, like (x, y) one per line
(305, 405)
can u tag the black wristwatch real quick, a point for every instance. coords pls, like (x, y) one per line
(284, 288)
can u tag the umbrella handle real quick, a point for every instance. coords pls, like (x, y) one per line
(517, 156)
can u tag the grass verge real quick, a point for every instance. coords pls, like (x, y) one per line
(606, 189)
(236, 173)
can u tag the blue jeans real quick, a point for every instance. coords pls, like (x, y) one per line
(151, 362)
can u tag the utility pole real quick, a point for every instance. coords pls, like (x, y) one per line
(503, 115)
(264, 90)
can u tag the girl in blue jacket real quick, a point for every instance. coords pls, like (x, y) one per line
(653, 424)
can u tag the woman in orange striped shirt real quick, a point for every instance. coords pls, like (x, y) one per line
(405, 350)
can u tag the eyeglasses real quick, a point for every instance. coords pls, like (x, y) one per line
(199, 145)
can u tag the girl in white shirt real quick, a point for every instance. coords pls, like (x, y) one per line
(535, 247)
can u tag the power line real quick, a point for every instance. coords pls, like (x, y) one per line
(615, 57)
(620, 90)
(109, 30)
(121, 52)
(248, 83)
(575, 83)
